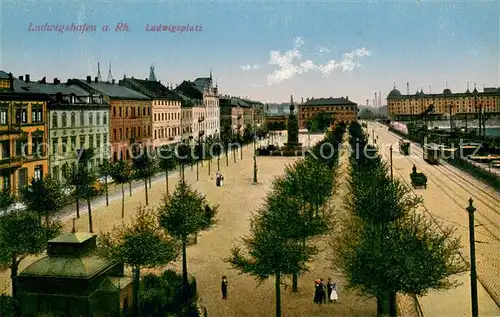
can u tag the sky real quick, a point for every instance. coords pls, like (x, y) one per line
(263, 50)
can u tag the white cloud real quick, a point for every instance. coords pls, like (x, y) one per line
(250, 67)
(290, 63)
(322, 50)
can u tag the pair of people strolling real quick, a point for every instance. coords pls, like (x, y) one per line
(324, 292)
(219, 179)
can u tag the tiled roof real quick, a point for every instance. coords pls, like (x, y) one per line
(203, 83)
(114, 90)
(3, 75)
(328, 102)
(49, 89)
(72, 237)
(154, 89)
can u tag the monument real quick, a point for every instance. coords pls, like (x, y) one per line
(292, 129)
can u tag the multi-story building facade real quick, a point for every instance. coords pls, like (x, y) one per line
(23, 133)
(130, 113)
(77, 120)
(342, 110)
(204, 90)
(231, 114)
(458, 105)
(166, 110)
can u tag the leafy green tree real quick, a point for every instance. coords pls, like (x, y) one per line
(226, 140)
(121, 174)
(139, 245)
(269, 249)
(45, 196)
(248, 134)
(320, 122)
(185, 213)
(209, 141)
(216, 149)
(88, 188)
(310, 183)
(167, 162)
(22, 235)
(143, 165)
(105, 172)
(6, 200)
(183, 154)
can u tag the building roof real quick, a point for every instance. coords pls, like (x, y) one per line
(113, 90)
(154, 89)
(3, 75)
(114, 283)
(203, 83)
(328, 102)
(48, 88)
(72, 237)
(85, 266)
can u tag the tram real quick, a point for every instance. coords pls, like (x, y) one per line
(404, 147)
(432, 152)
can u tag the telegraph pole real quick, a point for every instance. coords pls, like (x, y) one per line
(392, 176)
(473, 275)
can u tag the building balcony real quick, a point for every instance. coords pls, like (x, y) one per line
(201, 119)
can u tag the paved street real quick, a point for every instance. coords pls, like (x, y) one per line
(445, 199)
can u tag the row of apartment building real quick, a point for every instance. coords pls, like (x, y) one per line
(469, 103)
(43, 126)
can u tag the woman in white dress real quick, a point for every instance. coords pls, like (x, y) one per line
(334, 296)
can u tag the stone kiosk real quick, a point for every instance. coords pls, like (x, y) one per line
(73, 280)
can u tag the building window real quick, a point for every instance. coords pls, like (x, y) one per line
(139, 132)
(24, 115)
(138, 111)
(82, 141)
(3, 116)
(91, 141)
(120, 111)
(64, 120)
(114, 111)
(82, 119)
(98, 140)
(121, 134)
(91, 119)
(54, 120)
(54, 145)
(149, 130)
(155, 134)
(38, 172)
(143, 111)
(98, 119)
(55, 172)
(126, 111)
(73, 119)
(105, 139)
(104, 120)
(73, 142)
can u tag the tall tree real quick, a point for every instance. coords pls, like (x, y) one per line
(185, 213)
(270, 250)
(105, 172)
(121, 174)
(139, 245)
(166, 162)
(88, 188)
(45, 196)
(184, 156)
(143, 165)
(208, 148)
(216, 149)
(21, 235)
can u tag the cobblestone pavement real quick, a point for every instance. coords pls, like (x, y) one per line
(445, 199)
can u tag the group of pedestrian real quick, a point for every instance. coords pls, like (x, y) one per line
(323, 292)
(219, 179)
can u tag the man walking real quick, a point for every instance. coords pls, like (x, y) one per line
(224, 287)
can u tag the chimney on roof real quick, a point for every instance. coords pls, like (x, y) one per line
(96, 79)
(113, 81)
(347, 97)
(89, 79)
(27, 78)
(56, 81)
(43, 80)
(21, 78)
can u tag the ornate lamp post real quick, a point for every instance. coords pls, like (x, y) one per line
(254, 152)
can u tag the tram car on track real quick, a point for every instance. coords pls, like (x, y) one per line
(432, 152)
(404, 147)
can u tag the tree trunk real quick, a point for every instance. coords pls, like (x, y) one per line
(382, 305)
(185, 283)
(192, 165)
(278, 294)
(234, 155)
(227, 158)
(183, 173)
(123, 201)
(106, 189)
(47, 219)
(197, 172)
(218, 162)
(295, 282)
(130, 188)
(146, 188)
(209, 166)
(241, 153)
(90, 216)
(14, 266)
(166, 181)
(77, 208)
(393, 310)
(149, 181)
(135, 292)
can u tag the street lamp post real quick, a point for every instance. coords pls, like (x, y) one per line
(254, 152)
(392, 176)
(473, 276)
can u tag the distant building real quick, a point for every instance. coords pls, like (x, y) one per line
(130, 114)
(166, 109)
(342, 110)
(459, 105)
(73, 279)
(23, 132)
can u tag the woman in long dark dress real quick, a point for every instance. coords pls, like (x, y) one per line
(317, 292)
(224, 287)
